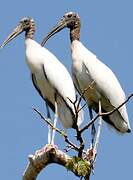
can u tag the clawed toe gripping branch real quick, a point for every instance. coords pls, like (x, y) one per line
(81, 164)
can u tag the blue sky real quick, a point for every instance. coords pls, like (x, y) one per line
(107, 30)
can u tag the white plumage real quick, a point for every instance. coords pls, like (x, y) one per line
(49, 76)
(87, 70)
(52, 78)
(106, 88)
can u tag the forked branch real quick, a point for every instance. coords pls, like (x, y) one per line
(62, 133)
(51, 154)
(105, 114)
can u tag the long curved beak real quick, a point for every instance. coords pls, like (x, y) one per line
(60, 25)
(14, 34)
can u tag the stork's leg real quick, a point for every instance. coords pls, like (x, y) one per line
(98, 130)
(93, 129)
(55, 120)
(49, 128)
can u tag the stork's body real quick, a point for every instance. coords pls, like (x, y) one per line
(88, 70)
(51, 79)
(49, 75)
(104, 86)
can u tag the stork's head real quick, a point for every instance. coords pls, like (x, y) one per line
(70, 20)
(26, 24)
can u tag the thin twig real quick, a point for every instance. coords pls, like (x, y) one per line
(79, 137)
(70, 143)
(105, 114)
(89, 124)
(62, 133)
(68, 148)
(82, 94)
(78, 110)
(47, 121)
(115, 109)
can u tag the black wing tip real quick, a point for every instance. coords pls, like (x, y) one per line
(129, 131)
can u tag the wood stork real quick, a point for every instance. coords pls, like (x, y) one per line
(49, 76)
(87, 68)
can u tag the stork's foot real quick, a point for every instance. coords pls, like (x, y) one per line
(91, 155)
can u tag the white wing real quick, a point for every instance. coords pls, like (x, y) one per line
(51, 77)
(105, 80)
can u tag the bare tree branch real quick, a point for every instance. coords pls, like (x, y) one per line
(42, 158)
(51, 154)
(76, 127)
(62, 133)
(82, 94)
(115, 109)
(105, 114)
(47, 155)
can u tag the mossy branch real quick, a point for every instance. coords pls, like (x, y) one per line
(51, 154)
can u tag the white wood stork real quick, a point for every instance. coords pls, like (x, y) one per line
(87, 68)
(49, 76)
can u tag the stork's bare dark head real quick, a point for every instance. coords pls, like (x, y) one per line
(70, 20)
(26, 24)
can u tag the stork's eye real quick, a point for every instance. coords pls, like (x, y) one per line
(25, 21)
(69, 15)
